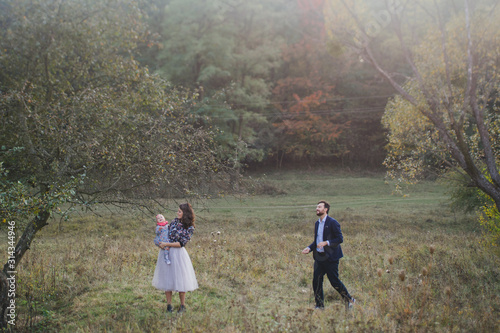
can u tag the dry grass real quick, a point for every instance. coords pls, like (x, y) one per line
(412, 265)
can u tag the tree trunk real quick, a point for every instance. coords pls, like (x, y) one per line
(7, 275)
(487, 187)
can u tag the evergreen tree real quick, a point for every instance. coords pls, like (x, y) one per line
(228, 50)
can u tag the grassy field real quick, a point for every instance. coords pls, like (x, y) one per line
(412, 264)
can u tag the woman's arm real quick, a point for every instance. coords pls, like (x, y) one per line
(163, 245)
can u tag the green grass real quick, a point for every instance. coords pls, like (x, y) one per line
(94, 274)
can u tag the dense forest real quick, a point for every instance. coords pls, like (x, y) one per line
(270, 79)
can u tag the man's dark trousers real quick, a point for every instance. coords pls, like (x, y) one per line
(331, 269)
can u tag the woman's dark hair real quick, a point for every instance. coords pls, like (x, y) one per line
(188, 217)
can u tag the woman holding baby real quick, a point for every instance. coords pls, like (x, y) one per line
(176, 274)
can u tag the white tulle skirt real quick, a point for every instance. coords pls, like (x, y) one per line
(178, 275)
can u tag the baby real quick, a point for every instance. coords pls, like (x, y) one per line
(162, 235)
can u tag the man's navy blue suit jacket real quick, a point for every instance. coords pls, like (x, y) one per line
(331, 233)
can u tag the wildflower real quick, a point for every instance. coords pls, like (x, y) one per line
(391, 260)
(379, 272)
(432, 249)
(402, 275)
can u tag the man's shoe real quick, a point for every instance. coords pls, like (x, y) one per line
(182, 308)
(319, 307)
(170, 308)
(350, 304)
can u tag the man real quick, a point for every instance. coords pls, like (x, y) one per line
(327, 253)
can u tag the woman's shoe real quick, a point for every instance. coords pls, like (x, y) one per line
(182, 308)
(170, 308)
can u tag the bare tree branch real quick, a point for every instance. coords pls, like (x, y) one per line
(471, 98)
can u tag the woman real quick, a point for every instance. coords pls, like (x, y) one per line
(179, 274)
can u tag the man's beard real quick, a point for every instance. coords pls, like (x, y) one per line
(319, 214)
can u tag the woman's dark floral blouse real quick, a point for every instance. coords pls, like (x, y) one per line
(177, 233)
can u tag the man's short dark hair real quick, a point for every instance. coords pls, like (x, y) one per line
(327, 205)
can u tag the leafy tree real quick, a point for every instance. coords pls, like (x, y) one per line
(229, 49)
(82, 123)
(352, 96)
(446, 115)
(361, 102)
(306, 128)
(148, 49)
